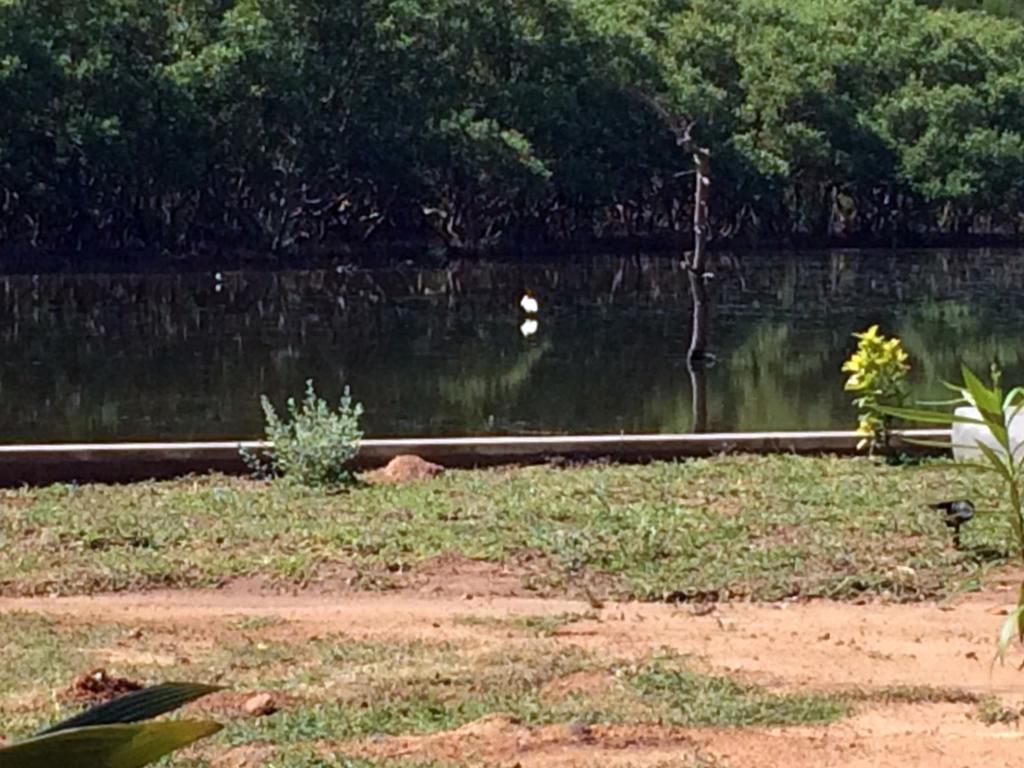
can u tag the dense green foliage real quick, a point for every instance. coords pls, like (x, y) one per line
(1009, 8)
(287, 124)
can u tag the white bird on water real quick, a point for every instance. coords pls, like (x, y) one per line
(529, 304)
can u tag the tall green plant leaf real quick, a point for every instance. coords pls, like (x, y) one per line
(138, 705)
(985, 399)
(996, 413)
(1013, 625)
(106, 746)
(998, 464)
(928, 417)
(1014, 396)
(943, 444)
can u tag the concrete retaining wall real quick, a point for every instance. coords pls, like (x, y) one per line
(121, 462)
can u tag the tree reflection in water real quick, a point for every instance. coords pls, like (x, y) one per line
(100, 357)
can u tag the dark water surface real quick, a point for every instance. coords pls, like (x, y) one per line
(439, 351)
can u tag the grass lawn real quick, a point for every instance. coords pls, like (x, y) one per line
(761, 528)
(729, 528)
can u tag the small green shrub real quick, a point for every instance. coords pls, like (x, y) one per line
(878, 372)
(315, 444)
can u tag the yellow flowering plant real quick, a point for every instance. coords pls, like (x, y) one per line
(878, 371)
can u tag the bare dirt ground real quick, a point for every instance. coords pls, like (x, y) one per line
(811, 646)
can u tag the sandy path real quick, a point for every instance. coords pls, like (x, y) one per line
(821, 645)
(816, 645)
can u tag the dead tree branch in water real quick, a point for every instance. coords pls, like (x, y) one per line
(696, 260)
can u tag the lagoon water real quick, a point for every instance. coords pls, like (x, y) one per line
(439, 351)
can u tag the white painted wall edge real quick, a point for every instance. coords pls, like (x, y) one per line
(705, 440)
(36, 464)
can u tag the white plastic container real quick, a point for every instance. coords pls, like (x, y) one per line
(967, 436)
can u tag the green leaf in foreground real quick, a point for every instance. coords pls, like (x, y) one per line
(106, 746)
(139, 705)
(1011, 626)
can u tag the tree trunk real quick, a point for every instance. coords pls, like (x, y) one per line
(697, 262)
(699, 392)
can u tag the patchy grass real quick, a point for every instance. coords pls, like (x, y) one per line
(991, 711)
(309, 757)
(256, 622)
(914, 694)
(541, 624)
(334, 690)
(724, 528)
(40, 646)
(689, 698)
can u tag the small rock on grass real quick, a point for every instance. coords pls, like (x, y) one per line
(260, 705)
(406, 468)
